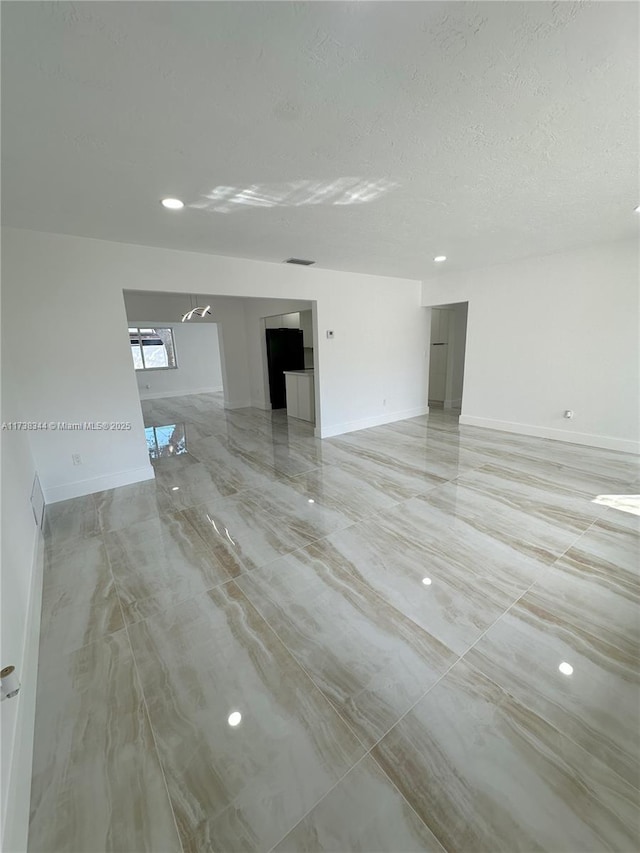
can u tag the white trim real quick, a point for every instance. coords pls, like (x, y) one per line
(238, 404)
(605, 441)
(16, 827)
(378, 420)
(157, 395)
(98, 484)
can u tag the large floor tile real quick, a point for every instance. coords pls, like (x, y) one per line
(190, 485)
(242, 534)
(289, 459)
(580, 482)
(355, 496)
(585, 612)
(597, 703)
(368, 658)
(454, 585)
(158, 563)
(399, 480)
(307, 448)
(67, 522)
(232, 468)
(543, 495)
(613, 542)
(424, 453)
(363, 813)
(79, 600)
(525, 451)
(597, 462)
(118, 508)
(485, 773)
(540, 533)
(97, 782)
(297, 511)
(242, 787)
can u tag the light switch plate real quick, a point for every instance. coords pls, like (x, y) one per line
(329, 333)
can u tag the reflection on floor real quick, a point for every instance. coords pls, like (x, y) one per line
(414, 637)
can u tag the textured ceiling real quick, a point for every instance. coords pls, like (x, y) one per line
(367, 136)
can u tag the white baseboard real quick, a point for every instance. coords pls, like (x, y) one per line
(16, 828)
(377, 420)
(605, 441)
(238, 404)
(157, 395)
(77, 489)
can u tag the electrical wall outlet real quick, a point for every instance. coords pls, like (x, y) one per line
(329, 333)
(76, 459)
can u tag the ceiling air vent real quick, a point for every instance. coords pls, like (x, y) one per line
(300, 261)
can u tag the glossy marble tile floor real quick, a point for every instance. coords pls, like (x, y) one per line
(414, 637)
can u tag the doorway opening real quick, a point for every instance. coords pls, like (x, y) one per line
(447, 355)
(289, 349)
(289, 363)
(175, 364)
(217, 361)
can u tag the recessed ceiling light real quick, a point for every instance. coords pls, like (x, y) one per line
(172, 203)
(440, 258)
(565, 668)
(637, 210)
(426, 581)
(311, 501)
(234, 718)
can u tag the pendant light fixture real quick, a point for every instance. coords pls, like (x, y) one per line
(197, 311)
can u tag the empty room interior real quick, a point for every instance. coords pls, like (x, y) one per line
(320, 427)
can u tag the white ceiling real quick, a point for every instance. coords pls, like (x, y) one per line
(367, 136)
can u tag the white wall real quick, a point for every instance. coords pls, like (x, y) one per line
(457, 348)
(59, 297)
(199, 368)
(20, 594)
(371, 372)
(549, 334)
(197, 349)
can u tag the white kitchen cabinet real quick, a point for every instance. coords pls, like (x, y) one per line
(300, 394)
(283, 321)
(291, 321)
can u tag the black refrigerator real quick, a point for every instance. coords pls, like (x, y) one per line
(285, 351)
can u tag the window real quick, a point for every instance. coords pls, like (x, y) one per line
(152, 349)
